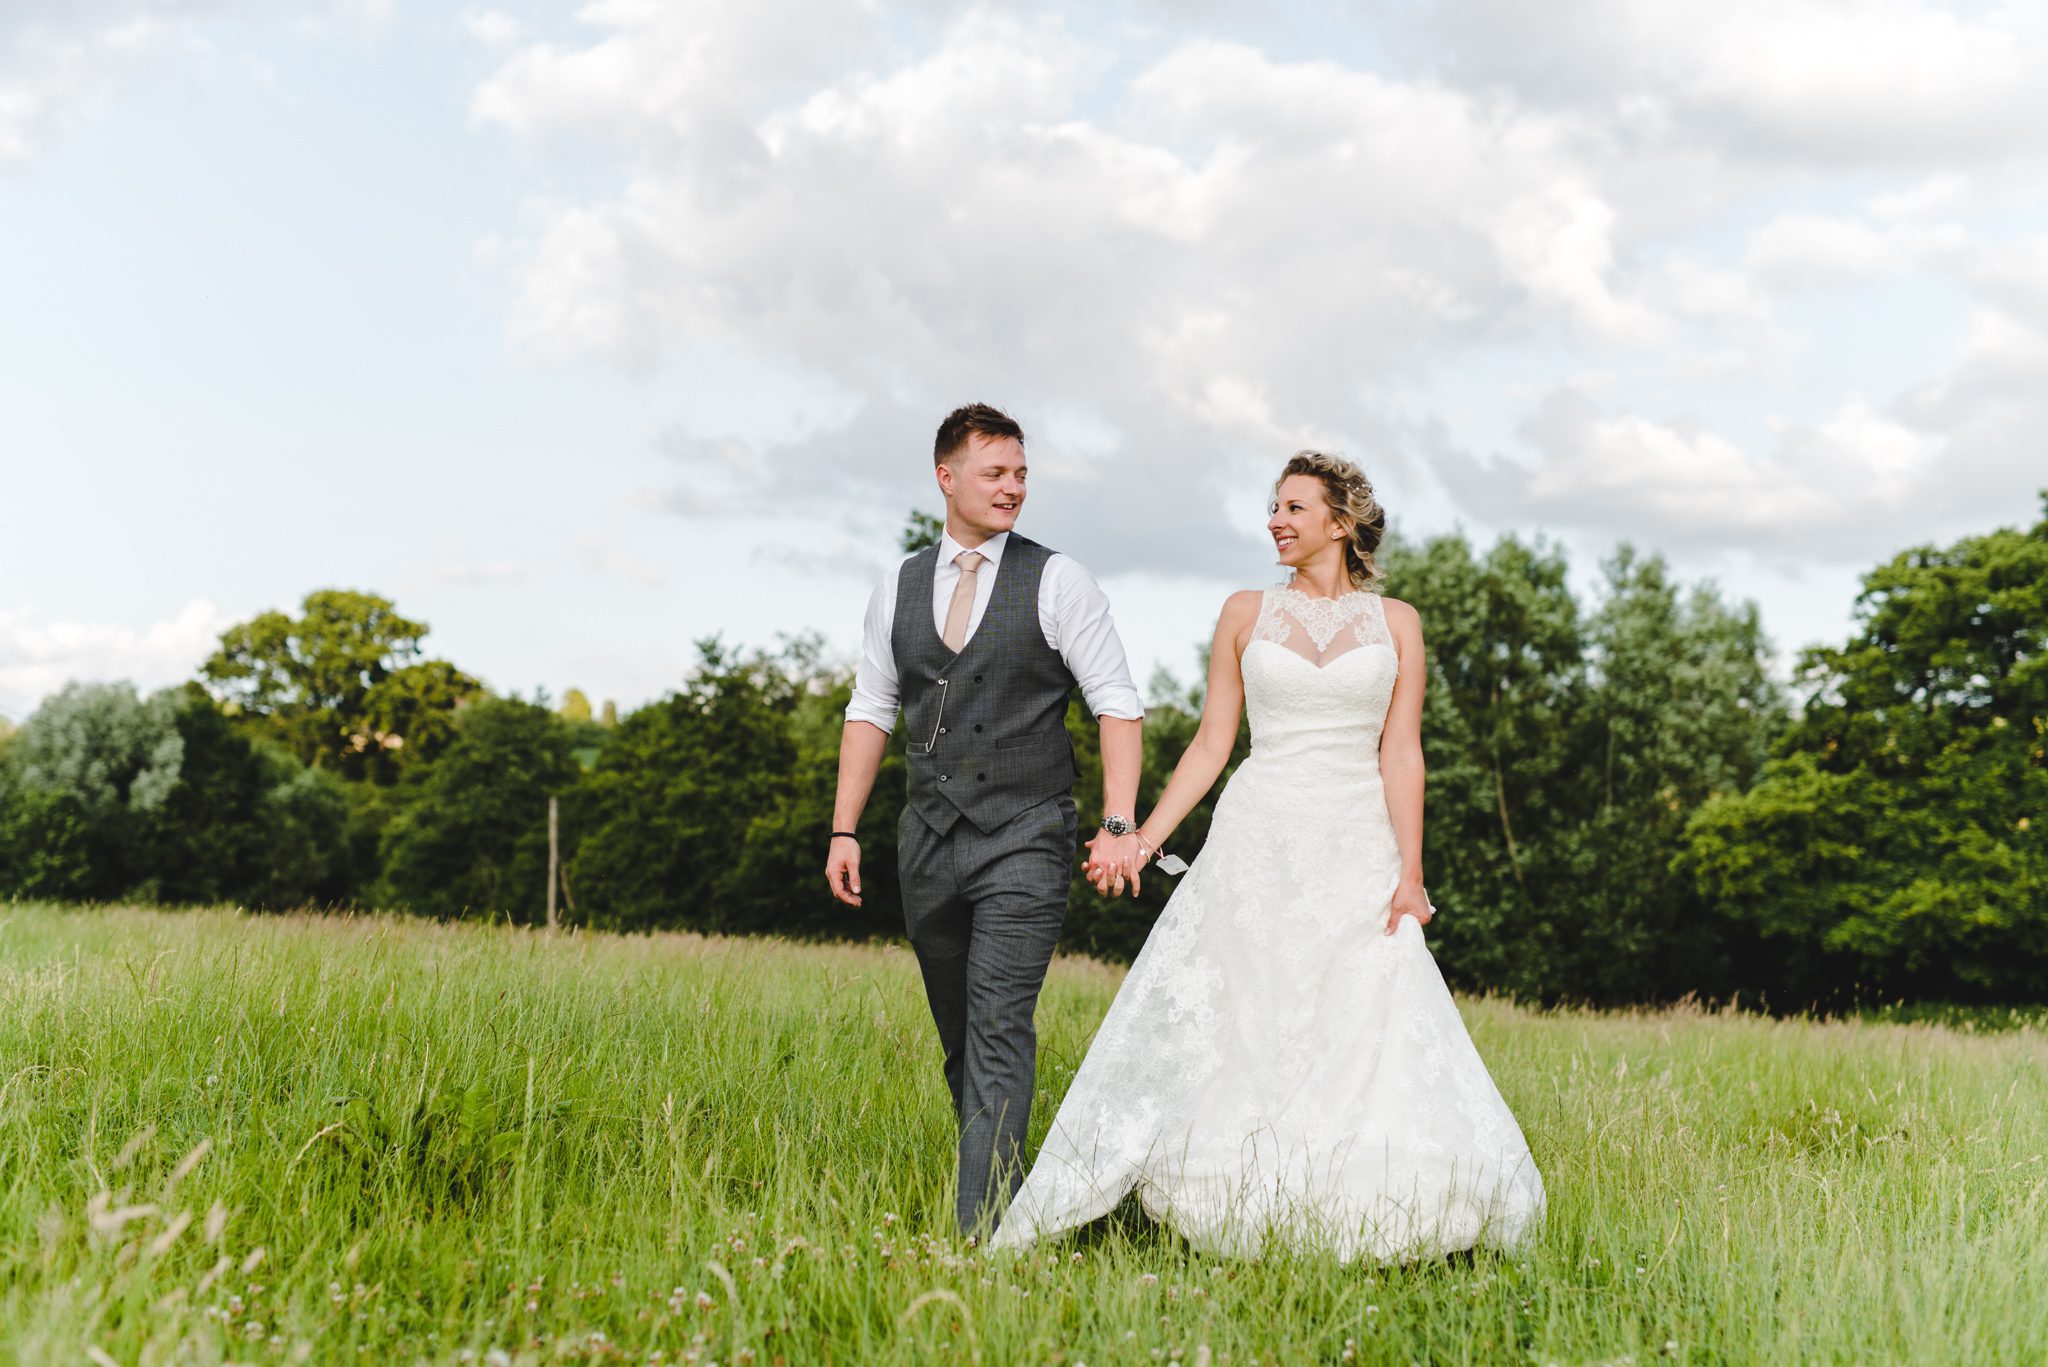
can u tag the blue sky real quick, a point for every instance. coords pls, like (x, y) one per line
(585, 331)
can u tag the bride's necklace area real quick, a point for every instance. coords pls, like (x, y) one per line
(1323, 618)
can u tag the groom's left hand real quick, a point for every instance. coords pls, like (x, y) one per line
(1111, 860)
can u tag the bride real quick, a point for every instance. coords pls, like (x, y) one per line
(1283, 1067)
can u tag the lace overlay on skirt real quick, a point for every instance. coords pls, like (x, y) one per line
(1275, 1070)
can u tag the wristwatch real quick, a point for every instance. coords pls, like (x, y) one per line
(1117, 825)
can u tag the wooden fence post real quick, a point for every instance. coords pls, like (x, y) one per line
(554, 860)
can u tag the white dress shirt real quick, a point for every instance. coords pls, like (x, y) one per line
(1073, 612)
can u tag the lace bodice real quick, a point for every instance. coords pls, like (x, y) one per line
(1319, 674)
(1320, 629)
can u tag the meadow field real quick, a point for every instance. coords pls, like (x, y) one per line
(265, 1139)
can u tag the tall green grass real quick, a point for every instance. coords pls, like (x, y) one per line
(265, 1139)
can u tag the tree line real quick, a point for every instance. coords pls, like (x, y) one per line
(1623, 805)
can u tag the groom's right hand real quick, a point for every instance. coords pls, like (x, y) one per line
(842, 870)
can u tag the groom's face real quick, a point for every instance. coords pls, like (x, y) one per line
(984, 485)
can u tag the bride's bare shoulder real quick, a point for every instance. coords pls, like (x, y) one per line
(1240, 613)
(1400, 614)
(1243, 603)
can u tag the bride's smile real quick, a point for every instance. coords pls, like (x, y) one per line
(1304, 533)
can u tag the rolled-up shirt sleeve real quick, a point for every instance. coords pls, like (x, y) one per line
(1088, 642)
(875, 689)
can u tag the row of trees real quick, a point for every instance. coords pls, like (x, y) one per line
(1623, 806)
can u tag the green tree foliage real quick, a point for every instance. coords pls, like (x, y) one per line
(343, 686)
(83, 778)
(1566, 750)
(710, 809)
(587, 735)
(1896, 842)
(107, 795)
(1506, 686)
(470, 831)
(1679, 709)
(246, 823)
(921, 529)
(608, 716)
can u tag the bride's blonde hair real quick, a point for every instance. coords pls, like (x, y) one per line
(1352, 503)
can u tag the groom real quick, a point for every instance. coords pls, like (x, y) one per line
(979, 640)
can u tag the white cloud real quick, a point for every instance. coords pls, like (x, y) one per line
(49, 80)
(1855, 486)
(1559, 245)
(2013, 277)
(1239, 257)
(484, 572)
(1803, 250)
(61, 61)
(619, 563)
(1903, 83)
(1178, 257)
(37, 659)
(492, 28)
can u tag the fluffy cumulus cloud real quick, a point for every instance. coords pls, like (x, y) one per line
(1679, 485)
(1181, 254)
(61, 61)
(57, 69)
(38, 658)
(1827, 83)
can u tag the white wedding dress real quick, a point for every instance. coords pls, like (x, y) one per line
(1276, 1072)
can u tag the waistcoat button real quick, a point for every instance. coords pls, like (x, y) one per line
(944, 777)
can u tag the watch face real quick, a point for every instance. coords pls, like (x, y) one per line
(1116, 825)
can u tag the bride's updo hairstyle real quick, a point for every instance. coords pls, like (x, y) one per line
(1352, 503)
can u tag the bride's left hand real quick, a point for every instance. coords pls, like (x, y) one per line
(1409, 900)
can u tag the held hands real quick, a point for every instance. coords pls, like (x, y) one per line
(1112, 861)
(1409, 900)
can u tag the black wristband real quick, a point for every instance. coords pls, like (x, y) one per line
(848, 834)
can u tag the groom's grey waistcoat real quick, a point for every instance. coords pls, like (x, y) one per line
(994, 715)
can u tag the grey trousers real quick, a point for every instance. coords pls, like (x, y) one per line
(983, 913)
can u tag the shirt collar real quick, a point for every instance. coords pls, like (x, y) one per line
(991, 548)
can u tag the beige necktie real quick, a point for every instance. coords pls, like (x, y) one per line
(962, 606)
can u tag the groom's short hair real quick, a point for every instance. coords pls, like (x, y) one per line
(972, 420)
